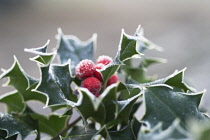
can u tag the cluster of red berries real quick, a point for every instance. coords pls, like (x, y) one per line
(89, 73)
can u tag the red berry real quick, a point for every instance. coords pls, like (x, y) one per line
(113, 79)
(104, 59)
(92, 84)
(85, 69)
(99, 66)
(97, 94)
(97, 74)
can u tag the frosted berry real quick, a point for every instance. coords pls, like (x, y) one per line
(104, 59)
(85, 69)
(99, 66)
(98, 74)
(92, 84)
(113, 79)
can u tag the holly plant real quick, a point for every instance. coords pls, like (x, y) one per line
(107, 98)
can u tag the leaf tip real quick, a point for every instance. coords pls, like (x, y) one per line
(59, 30)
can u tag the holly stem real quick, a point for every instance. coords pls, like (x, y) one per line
(65, 129)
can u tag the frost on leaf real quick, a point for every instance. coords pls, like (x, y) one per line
(22, 125)
(165, 105)
(42, 57)
(22, 82)
(70, 47)
(55, 84)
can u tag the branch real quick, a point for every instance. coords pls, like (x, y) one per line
(68, 126)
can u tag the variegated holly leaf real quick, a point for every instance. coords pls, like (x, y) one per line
(175, 132)
(42, 57)
(17, 124)
(70, 47)
(22, 82)
(14, 101)
(55, 84)
(164, 105)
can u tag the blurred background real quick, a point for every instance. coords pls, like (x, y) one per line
(182, 28)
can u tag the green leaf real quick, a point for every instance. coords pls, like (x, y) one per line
(127, 48)
(55, 84)
(175, 80)
(22, 82)
(164, 105)
(138, 73)
(22, 125)
(134, 109)
(81, 132)
(3, 136)
(108, 71)
(146, 62)
(86, 106)
(175, 132)
(101, 108)
(105, 108)
(125, 106)
(143, 43)
(50, 125)
(70, 47)
(43, 57)
(125, 133)
(14, 101)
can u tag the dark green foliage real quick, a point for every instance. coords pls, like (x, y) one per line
(169, 103)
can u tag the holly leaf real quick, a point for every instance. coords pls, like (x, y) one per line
(22, 125)
(128, 132)
(22, 82)
(146, 62)
(50, 125)
(165, 105)
(127, 49)
(138, 73)
(14, 101)
(55, 84)
(70, 47)
(175, 132)
(175, 80)
(125, 106)
(101, 108)
(134, 109)
(81, 132)
(3, 136)
(42, 57)
(87, 107)
(143, 43)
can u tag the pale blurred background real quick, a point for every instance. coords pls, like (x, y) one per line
(182, 28)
